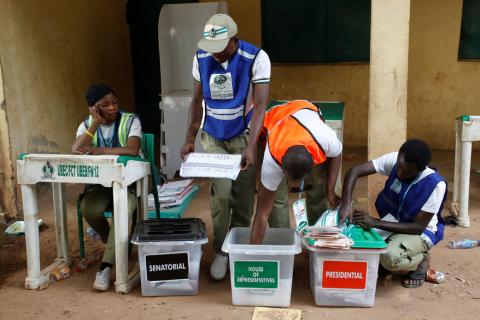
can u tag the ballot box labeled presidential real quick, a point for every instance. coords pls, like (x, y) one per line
(346, 277)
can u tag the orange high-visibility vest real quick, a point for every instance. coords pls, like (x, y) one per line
(285, 131)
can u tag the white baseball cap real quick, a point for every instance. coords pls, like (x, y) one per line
(217, 32)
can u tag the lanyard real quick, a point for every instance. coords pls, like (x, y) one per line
(103, 139)
(405, 195)
(301, 189)
(115, 131)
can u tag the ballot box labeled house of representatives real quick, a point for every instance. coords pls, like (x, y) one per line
(261, 275)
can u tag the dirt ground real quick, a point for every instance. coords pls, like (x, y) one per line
(74, 298)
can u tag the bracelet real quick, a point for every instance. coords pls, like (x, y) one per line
(88, 133)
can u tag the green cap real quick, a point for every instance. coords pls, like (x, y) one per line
(217, 32)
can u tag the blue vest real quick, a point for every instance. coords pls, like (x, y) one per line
(405, 201)
(225, 91)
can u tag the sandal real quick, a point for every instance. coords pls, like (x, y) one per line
(434, 276)
(416, 279)
(412, 283)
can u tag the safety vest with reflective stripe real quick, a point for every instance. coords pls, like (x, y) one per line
(405, 200)
(225, 92)
(123, 124)
(284, 130)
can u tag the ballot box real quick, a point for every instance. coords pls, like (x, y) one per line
(169, 254)
(346, 277)
(261, 275)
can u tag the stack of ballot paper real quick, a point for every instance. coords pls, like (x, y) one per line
(211, 165)
(172, 193)
(327, 237)
(325, 233)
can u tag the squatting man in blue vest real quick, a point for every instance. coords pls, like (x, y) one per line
(106, 131)
(409, 206)
(231, 88)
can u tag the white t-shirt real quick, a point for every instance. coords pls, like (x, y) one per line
(272, 174)
(260, 73)
(107, 131)
(384, 165)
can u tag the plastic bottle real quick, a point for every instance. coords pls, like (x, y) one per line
(83, 264)
(59, 274)
(464, 244)
(92, 234)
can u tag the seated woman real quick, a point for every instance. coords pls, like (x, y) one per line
(107, 131)
(409, 206)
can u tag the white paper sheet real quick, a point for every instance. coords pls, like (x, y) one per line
(384, 233)
(211, 165)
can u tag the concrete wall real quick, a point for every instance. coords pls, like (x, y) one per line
(347, 82)
(439, 86)
(51, 51)
(7, 187)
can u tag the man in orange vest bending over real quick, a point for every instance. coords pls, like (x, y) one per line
(297, 140)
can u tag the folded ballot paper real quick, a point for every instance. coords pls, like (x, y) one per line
(211, 165)
(325, 233)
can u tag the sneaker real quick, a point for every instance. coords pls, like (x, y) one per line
(102, 280)
(218, 270)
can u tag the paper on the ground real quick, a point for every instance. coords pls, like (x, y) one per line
(211, 165)
(18, 228)
(261, 313)
(384, 233)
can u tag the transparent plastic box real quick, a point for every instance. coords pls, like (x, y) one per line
(261, 275)
(170, 265)
(344, 277)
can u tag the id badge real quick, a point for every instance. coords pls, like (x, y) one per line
(221, 86)
(396, 186)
